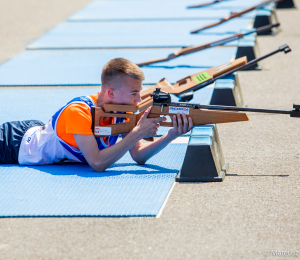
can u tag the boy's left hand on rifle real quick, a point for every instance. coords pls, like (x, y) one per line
(181, 125)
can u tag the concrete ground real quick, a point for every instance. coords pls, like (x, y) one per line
(255, 209)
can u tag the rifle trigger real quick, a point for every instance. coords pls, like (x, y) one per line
(162, 107)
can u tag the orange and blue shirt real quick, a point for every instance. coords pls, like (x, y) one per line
(55, 142)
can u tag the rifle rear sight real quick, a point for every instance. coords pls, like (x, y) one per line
(160, 96)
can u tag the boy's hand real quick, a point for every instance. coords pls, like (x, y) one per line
(147, 127)
(181, 124)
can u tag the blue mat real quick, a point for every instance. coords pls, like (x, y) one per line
(125, 189)
(57, 68)
(37, 103)
(143, 10)
(135, 34)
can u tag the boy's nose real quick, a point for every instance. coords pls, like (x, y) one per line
(138, 98)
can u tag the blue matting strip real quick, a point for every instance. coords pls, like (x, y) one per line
(135, 34)
(83, 67)
(125, 189)
(143, 10)
(37, 103)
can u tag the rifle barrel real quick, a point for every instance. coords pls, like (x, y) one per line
(292, 113)
(246, 109)
(263, 28)
(162, 98)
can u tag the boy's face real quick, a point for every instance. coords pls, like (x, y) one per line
(127, 91)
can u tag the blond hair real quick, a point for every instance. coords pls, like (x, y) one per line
(117, 68)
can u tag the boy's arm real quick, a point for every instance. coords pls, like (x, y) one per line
(101, 160)
(141, 152)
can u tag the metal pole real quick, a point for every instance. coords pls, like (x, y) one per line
(246, 109)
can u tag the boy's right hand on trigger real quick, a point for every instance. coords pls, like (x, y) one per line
(147, 127)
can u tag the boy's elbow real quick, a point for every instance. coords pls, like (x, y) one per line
(138, 158)
(99, 169)
(139, 161)
(98, 166)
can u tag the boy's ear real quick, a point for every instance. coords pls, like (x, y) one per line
(111, 93)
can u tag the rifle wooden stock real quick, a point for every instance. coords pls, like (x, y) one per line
(211, 25)
(191, 81)
(189, 50)
(237, 14)
(199, 117)
(114, 129)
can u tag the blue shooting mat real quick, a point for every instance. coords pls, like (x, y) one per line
(125, 189)
(143, 10)
(74, 67)
(37, 103)
(83, 35)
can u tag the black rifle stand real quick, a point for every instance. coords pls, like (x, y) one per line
(204, 161)
(286, 4)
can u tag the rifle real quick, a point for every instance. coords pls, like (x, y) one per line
(237, 14)
(205, 4)
(193, 80)
(184, 88)
(162, 106)
(189, 50)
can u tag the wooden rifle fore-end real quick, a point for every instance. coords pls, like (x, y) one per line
(199, 116)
